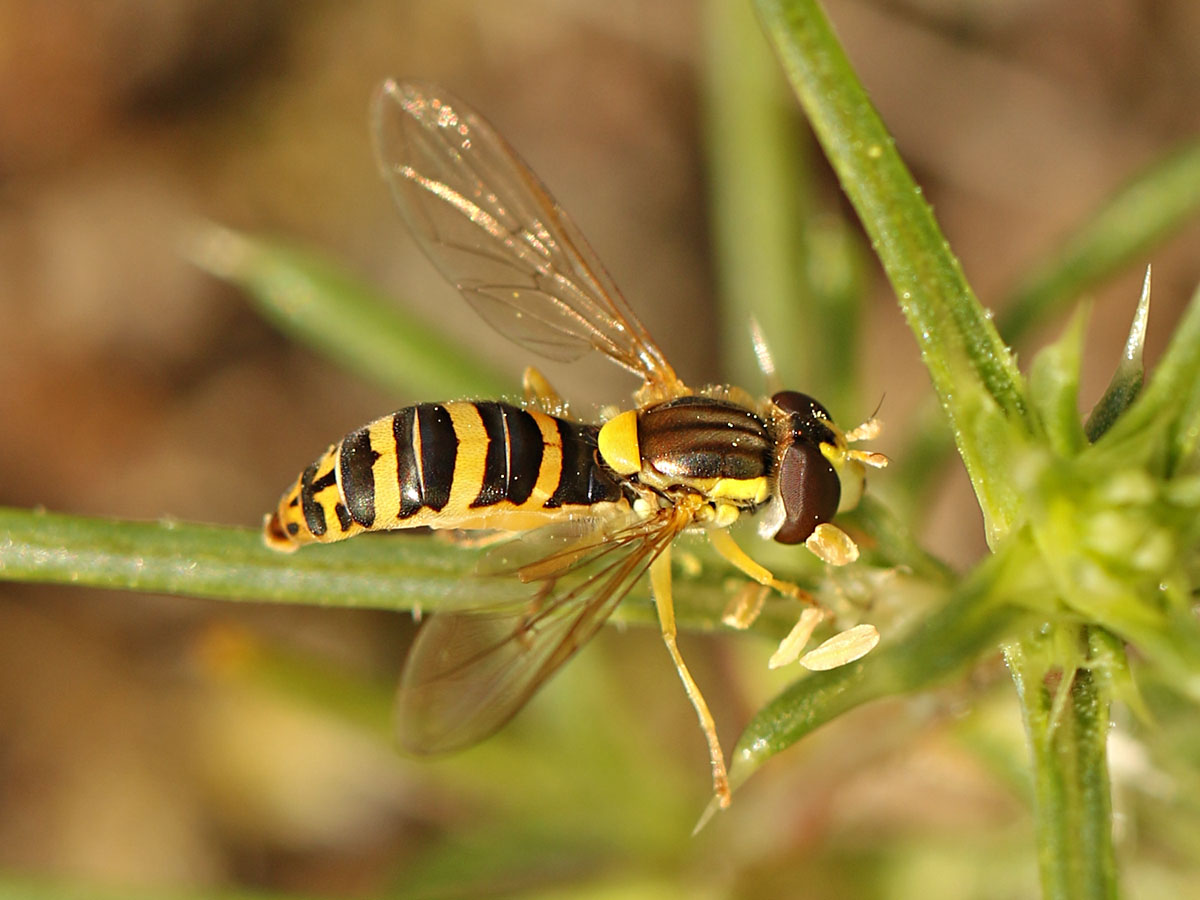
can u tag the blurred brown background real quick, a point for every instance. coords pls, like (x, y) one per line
(131, 384)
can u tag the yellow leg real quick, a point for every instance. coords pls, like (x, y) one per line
(472, 540)
(724, 544)
(660, 584)
(540, 394)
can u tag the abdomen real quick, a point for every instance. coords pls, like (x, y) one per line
(464, 464)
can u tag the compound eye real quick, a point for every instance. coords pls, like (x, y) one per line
(809, 488)
(800, 404)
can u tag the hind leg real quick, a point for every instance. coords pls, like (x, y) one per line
(660, 584)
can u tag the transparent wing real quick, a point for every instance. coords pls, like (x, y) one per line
(468, 673)
(494, 232)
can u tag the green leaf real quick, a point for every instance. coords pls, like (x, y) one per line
(1155, 204)
(1067, 719)
(1054, 387)
(759, 193)
(1180, 369)
(973, 372)
(779, 257)
(1114, 547)
(1171, 399)
(1130, 372)
(320, 305)
(837, 276)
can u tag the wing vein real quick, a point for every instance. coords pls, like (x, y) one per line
(493, 230)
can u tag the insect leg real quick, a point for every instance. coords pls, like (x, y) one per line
(660, 584)
(540, 394)
(724, 544)
(473, 540)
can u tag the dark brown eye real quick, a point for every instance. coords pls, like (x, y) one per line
(809, 488)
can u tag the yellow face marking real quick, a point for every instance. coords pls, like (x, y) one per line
(618, 443)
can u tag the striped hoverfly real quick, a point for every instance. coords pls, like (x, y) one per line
(596, 506)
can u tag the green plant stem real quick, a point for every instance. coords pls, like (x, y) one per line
(219, 562)
(780, 258)
(1072, 806)
(397, 571)
(1155, 204)
(759, 195)
(973, 373)
(939, 305)
(893, 545)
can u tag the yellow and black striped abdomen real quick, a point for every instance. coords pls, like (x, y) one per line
(455, 465)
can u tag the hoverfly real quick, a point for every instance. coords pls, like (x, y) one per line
(606, 500)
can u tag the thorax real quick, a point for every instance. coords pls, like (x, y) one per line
(716, 448)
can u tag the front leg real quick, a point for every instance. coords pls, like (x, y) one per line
(723, 542)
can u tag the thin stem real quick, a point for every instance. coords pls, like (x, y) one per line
(975, 376)
(1068, 739)
(396, 571)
